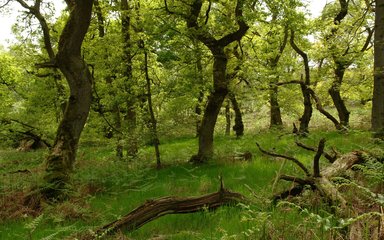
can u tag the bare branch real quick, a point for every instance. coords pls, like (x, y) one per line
(296, 161)
(328, 156)
(295, 180)
(368, 40)
(5, 4)
(319, 107)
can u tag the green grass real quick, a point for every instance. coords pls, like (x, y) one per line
(105, 188)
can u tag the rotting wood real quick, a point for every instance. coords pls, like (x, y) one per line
(318, 180)
(153, 209)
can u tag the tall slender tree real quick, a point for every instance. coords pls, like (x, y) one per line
(378, 89)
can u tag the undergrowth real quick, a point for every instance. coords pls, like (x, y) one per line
(105, 188)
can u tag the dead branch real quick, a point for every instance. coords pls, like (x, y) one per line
(296, 161)
(295, 180)
(331, 158)
(153, 209)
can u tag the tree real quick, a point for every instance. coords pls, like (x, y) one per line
(345, 47)
(220, 83)
(378, 90)
(69, 60)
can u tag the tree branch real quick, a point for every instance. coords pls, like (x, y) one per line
(296, 161)
(316, 160)
(330, 158)
(342, 13)
(295, 180)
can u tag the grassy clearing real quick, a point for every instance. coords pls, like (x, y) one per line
(105, 188)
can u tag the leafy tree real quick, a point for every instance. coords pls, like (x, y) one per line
(61, 158)
(198, 29)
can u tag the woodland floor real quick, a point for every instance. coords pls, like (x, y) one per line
(105, 188)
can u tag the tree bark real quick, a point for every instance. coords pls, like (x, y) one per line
(275, 114)
(153, 209)
(130, 118)
(334, 91)
(239, 125)
(307, 113)
(215, 101)
(228, 118)
(61, 158)
(153, 125)
(378, 87)
(200, 81)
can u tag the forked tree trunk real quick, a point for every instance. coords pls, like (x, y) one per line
(338, 101)
(378, 88)
(220, 82)
(61, 158)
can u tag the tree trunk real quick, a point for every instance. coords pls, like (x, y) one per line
(130, 117)
(153, 125)
(334, 91)
(61, 158)
(307, 114)
(378, 87)
(239, 125)
(220, 83)
(275, 115)
(228, 118)
(200, 81)
(215, 101)
(198, 112)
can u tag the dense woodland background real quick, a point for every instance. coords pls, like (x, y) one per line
(111, 103)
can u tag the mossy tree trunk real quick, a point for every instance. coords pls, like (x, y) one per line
(61, 158)
(378, 88)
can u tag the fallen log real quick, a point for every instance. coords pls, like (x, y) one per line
(153, 209)
(320, 180)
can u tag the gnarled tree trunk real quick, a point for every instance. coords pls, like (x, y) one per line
(215, 101)
(61, 158)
